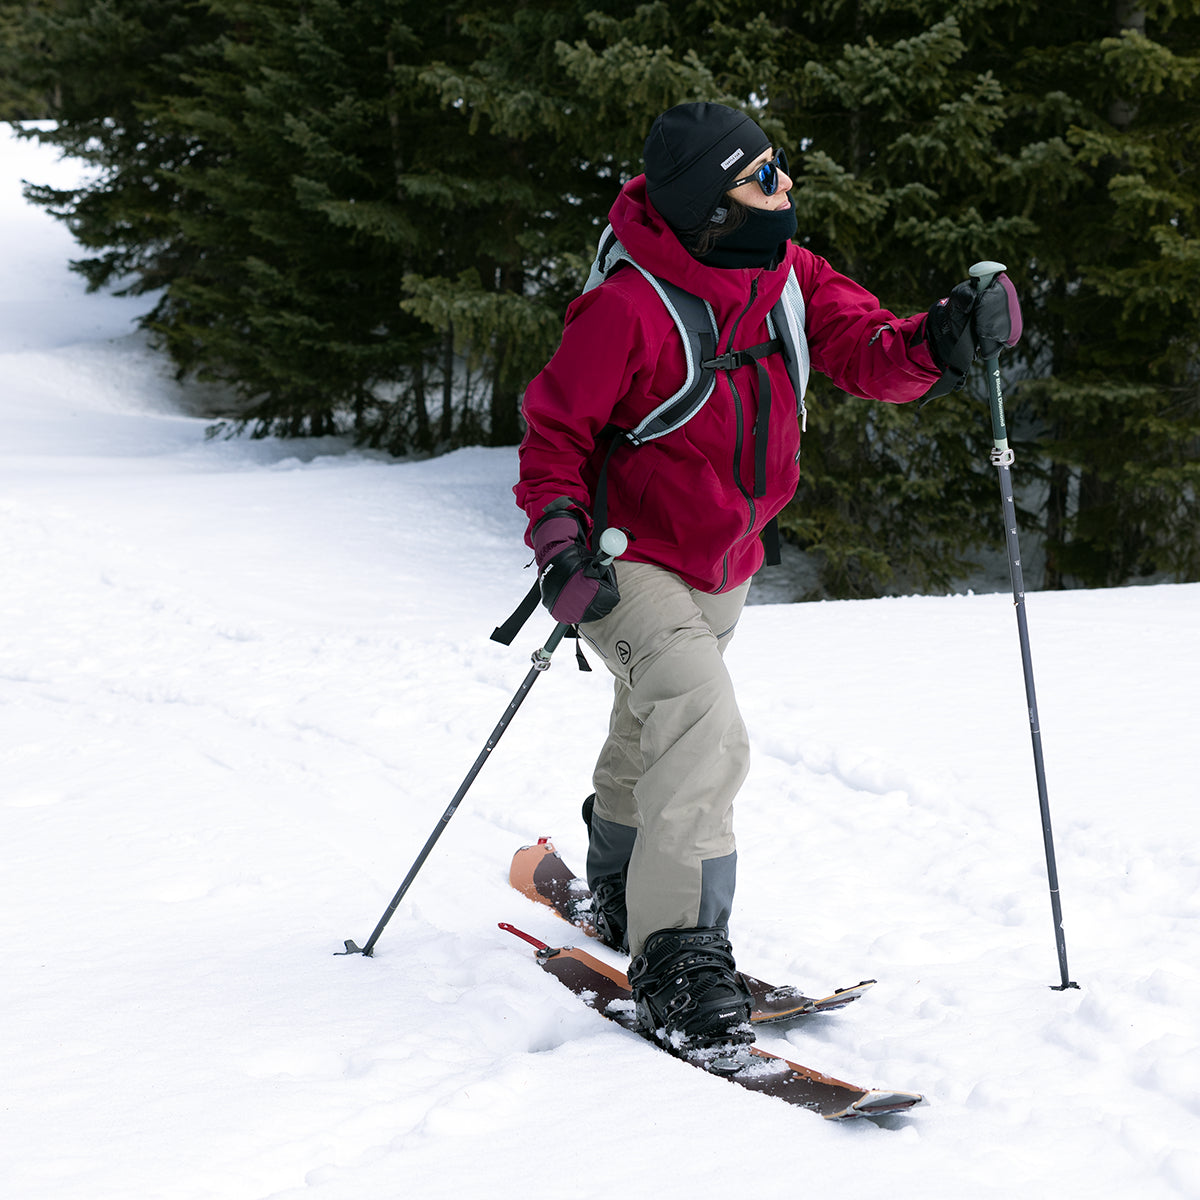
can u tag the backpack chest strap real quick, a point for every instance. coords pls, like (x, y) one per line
(730, 361)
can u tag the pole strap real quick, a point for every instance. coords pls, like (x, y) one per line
(507, 630)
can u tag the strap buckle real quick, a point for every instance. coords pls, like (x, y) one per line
(729, 361)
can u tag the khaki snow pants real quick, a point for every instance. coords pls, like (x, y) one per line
(676, 753)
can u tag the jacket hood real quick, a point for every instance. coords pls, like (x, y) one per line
(654, 245)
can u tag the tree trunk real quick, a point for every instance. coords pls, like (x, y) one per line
(446, 428)
(1056, 526)
(1127, 15)
(424, 435)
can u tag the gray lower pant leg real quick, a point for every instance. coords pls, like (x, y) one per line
(610, 847)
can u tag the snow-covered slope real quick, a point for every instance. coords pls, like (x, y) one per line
(239, 683)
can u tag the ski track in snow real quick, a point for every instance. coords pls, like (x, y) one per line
(240, 682)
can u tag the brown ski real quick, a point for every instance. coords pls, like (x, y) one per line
(539, 872)
(606, 990)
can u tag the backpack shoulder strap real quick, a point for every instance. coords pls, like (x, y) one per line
(786, 321)
(697, 326)
(609, 252)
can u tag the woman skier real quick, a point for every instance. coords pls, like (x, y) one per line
(713, 217)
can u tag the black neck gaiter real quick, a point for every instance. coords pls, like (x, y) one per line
(756, 242)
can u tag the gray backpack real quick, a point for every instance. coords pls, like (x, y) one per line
(697, 325)
(698, 331)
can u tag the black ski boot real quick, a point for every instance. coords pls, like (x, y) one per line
(608, 916)
(688, 992)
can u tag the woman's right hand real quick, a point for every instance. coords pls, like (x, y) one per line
(575, 587)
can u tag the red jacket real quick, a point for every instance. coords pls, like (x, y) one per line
(687, 498)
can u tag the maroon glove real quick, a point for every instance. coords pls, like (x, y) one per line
(951, 338)
(575, 587)
(968, 324)
(997, 317)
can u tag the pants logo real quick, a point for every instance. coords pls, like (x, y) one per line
(624, 652)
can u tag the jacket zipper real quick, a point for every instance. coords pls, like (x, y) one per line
(737, 451)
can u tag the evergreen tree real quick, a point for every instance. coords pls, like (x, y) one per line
(1108, 107)
(1065, 145)
(376, 213)
(100, 69)
(896, 130)
(27, 93)
(547, 172)
(295, 301)
(871, 507)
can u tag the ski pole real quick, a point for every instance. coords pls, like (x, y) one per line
(1002, 457)
(612, 545)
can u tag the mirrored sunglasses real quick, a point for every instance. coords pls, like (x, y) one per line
(767, 176)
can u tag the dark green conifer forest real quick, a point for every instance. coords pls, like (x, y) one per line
(369, 216)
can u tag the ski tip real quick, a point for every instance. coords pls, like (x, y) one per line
(856, 987)
(544, 844)
(524, 866)
(878, 1103)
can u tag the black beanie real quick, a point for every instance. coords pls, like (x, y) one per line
(694, 152)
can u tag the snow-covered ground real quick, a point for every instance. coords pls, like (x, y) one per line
(239, 683)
